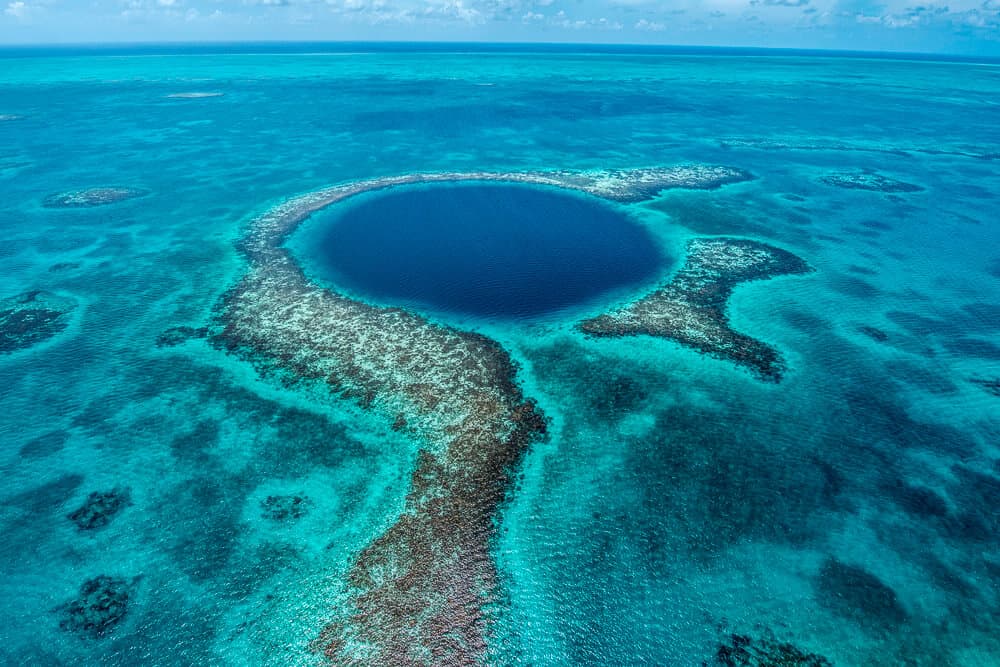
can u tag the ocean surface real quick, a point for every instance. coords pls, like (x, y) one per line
(171, 497)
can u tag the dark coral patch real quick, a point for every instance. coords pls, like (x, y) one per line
(64, 266)
(44, 445)
(100, 508)
(101, 605)
(92, 197)
(919, 501)
(874, 333)
(857, 594)
(869, 180)
(177, 335)
(973, 347)
(284, 508)
(31, 318)
(989, 385)
(745, 651)
(691, 308)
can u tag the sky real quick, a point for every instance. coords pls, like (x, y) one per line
(969, 27)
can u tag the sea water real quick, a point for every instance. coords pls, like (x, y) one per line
(680, 511)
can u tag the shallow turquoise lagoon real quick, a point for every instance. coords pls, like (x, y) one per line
(173, 498)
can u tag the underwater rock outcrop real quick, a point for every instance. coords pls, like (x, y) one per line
(92, 197)
(31, 318)
(691, 308)
(869, 180)
(100, 508)
(418, 593)
(102, 604)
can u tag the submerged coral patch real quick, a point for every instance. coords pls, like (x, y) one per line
(100, 508)
(858, 595)
(177, 335)
(90, 197)
(284, 508)
(989, 385)
(738, 650)
(101, 604)
(31, 318)
(868, 180)
(691, 308)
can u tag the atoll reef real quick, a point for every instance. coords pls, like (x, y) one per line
(100, 508)
(101, 605)
(284, 508)
(739, 650)
(193, 95)
(869, 180)
(92, 197)
(419, 591)
(32, 317)
(691, 308)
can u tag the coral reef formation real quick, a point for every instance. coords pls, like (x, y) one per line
(745, 651)
(32, 317)
(100, 508)
(419, 591)
(283, 508)
(691, 308)
(92, 197)
(101, 605)
(868, 180)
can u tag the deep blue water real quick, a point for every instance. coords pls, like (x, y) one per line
(494, 251)
(850, 510)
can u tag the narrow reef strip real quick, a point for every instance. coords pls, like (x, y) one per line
(91, 197)
(691, 308)
(869, 180)
(418, 592)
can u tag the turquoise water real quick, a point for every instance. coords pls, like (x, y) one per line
(676, 501)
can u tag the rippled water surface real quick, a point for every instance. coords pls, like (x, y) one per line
(167, 502)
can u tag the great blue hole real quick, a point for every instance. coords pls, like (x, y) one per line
(502, 251)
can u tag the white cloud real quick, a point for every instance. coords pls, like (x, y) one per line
(650, 26)
(16, 9)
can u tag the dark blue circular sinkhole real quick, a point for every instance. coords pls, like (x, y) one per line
(482, 249)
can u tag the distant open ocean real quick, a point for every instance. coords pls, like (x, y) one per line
(379, 353)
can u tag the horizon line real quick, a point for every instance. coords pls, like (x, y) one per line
(486, 45)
